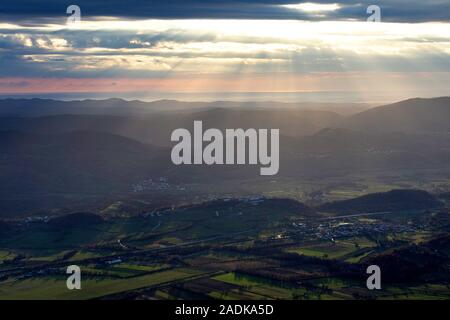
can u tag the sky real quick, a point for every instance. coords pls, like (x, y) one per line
(146, 48)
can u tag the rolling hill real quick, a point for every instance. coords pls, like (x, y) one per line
(76, 220)
(36, 166)
(394, 200)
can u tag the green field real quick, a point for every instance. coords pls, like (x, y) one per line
(6, 256)
(333, 250)
(55, 288)
(259, 286)
(225, 250)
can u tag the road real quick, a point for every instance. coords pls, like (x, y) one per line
(356, 215)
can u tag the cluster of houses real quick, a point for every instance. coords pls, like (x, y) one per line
(160, 184)
(33, 219)
(333, 230)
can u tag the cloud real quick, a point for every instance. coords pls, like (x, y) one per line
(37, 44)
(31, 12)
(157, 48)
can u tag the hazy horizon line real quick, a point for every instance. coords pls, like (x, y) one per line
(209, 97)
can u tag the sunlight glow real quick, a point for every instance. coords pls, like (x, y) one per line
(313, 7)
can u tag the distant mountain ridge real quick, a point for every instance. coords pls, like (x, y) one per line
(156, 128)
(103, 154)
(410, 116)
(114, 106)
